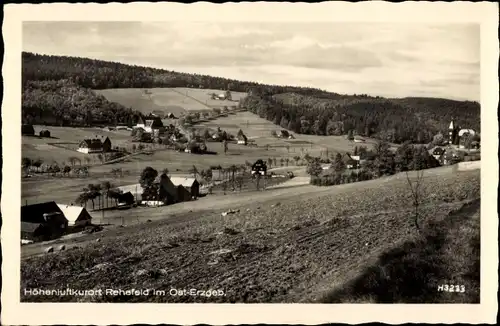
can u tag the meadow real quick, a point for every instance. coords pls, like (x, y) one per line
(346, 243)
(258, 131)
(178, 101)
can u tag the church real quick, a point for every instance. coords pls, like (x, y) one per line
(456, 133)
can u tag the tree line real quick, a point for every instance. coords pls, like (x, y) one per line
(416, 120)
(58, 90)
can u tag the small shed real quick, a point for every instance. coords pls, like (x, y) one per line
(126, 198)
(45, 133)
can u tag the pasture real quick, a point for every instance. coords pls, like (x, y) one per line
(178, 101)
(302, 245)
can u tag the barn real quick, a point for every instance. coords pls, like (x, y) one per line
(76, 215)
(183, 194)
(44, 220)
(190, 184)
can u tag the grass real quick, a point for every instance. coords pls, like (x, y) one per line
(175, 100)
(290, 249)
(447, 252)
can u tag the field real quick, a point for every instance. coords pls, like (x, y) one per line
(305, 244)
(175, 100)
(66, 190)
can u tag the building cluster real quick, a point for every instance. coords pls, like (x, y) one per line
(171, 190)
(44, 221)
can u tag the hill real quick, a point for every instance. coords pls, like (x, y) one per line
(285, 248)
(178, 100)
(300, 109)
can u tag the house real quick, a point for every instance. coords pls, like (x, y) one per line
(134, 189)
(45, 133)
(242, 139)
(45, 220)
(438, 153)
(34, 231)
(167, 191)
(76, 215)
(196, 148)
(259, 167)
(183, 194)
(191, 184)
(283, 133)
(27, 130)
(126, 199)
(95, 145)
(358, 139)
(349, 162)
(154, 124)
(170, 115)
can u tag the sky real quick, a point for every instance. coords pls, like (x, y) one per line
(385, 59)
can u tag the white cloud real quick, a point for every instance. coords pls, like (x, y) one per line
(393, 59)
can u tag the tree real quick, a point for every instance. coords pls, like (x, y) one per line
(194, 171)
(287, 160)
(66, 170)
(384, 160)
(350, 134)
(314, 167)
(72, 160)
(224, 142)
(338, 164)
(165, 171)
(146, 180)
(239, 182)
(415, 188)
(296, 158)
(26, 163)
(404, 157)
(106, 187)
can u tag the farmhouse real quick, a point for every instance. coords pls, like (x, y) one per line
(126, 199)
(27, 130)
(43, 220)
(76, 215)
(170, 115)
(183, 194)
(190, 184)
(96, 145)
(242, 139)
(150, 124)
(259, 167)
(167, 190)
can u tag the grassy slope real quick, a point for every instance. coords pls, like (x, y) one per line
(176, 100)
(294, 252)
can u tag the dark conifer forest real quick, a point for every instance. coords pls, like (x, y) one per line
(59, 90)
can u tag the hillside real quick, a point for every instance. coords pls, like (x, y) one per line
(282, 249)
(300, 109)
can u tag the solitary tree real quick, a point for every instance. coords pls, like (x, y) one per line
(338, 164)
(314, 167)
(415, 188)
(146, 181)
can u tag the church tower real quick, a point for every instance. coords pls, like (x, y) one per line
(451, 131)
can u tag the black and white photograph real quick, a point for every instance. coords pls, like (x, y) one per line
(212, 161)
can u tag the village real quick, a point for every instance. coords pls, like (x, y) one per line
(155, 188)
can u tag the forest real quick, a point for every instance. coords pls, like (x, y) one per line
(58, 90)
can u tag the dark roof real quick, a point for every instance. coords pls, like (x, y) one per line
(95, 143)
(27, 129)
(153, 123)
(30, 227)
(34, 213)
(438, 151)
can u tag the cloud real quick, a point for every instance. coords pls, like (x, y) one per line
(396, 59)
